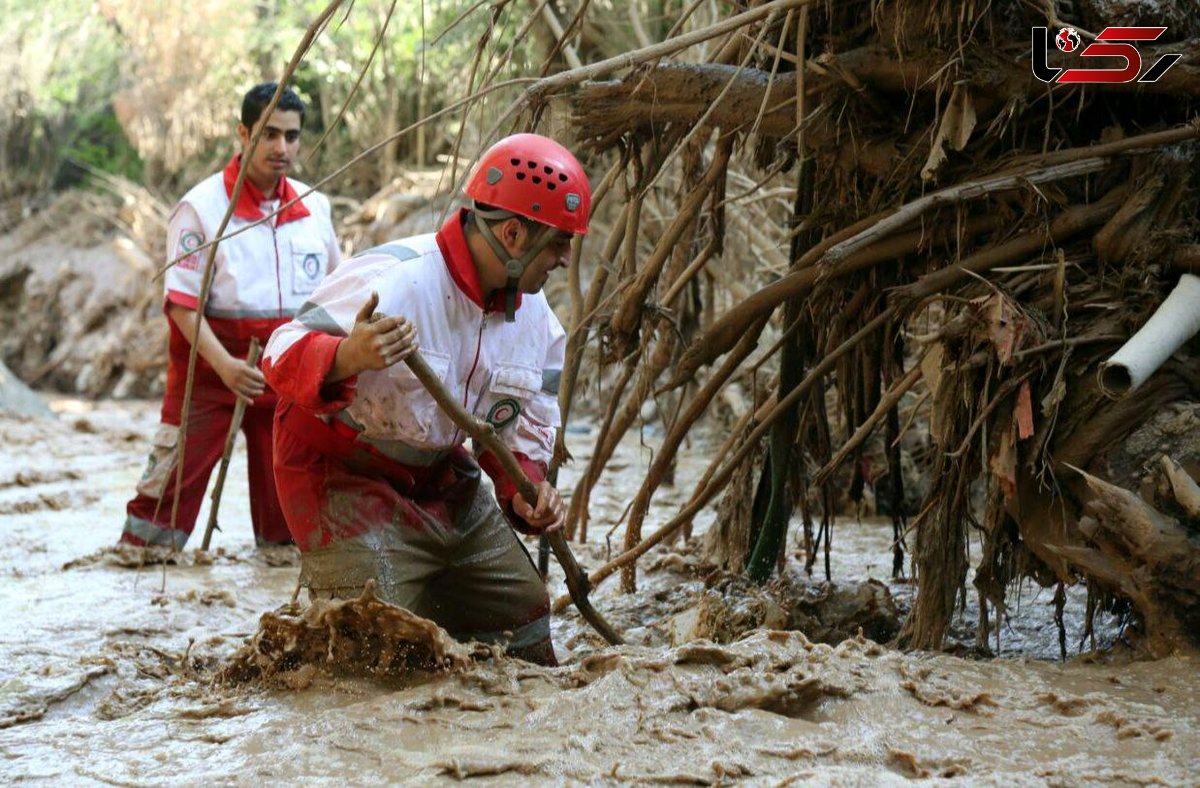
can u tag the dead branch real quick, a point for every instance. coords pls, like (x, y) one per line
(886, 403)
(734, 323)
(702, 497)
(210, 268)
(1068, 223)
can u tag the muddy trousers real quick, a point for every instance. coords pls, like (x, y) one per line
(148, 515)
(465, 570)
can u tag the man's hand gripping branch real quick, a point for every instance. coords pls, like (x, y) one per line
(374, 343)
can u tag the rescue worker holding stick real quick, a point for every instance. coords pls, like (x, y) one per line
(262, 275)
(375, 479)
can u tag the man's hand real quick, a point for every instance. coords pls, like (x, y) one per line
(548, 515)
(373, 344)
(241, 378)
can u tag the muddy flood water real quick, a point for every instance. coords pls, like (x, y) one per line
(106, 668)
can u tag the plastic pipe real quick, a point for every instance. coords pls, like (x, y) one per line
(1175, 322)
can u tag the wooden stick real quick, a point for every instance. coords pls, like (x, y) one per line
(958, 193)
(705, 492)
(556, 30)
(239, 410)
(886, 403)
(577, 579)
(354, 89)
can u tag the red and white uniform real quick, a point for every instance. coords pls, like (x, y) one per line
(261, 278)
(504, 373)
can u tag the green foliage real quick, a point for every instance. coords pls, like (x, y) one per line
(149, 89)
(58, 71)
(97, 141)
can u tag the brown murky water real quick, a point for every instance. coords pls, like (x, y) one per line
(105, 670)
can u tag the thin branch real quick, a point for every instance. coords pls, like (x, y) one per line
(867, 427)
(702, 497)
(339, 171)
(357, 83)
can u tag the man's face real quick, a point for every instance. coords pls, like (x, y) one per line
(277, 148)
(555, 255)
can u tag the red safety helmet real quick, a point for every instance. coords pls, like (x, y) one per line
(535, 177)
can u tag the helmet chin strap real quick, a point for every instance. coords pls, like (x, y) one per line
(513, 266)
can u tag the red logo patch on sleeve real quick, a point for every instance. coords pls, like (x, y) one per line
(189, 242)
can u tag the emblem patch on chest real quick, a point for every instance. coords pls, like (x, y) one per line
(308, 268)
(503, 413)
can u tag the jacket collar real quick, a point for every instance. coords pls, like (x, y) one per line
(251, 197)
(452, 241)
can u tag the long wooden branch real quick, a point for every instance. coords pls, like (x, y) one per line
(683, 93)
(1033, 170)
(886, 403)
(704, 495)
(628, 313)
(574, 76)
(1068, 223)
(679, 430)
(726, 331)
(731, 326)
(577, 579)
(971, 190)
(578, 510)
(235, 426)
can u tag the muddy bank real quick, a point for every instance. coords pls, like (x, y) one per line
(106, 669)
(82, 311)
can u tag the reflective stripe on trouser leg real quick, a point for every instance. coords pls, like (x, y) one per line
(148, 519)
(152, 535)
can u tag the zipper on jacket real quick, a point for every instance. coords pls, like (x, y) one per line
(278, 275)
(471, 374)
(475, 363)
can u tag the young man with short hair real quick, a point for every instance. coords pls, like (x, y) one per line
(261, 278)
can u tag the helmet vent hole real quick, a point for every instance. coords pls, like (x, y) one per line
(550, 186)
(562, 177)
(520, 176)
(532, 165)
(515, 162)
(536, 179)
(548, 170)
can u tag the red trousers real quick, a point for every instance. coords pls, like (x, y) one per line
(148, 515)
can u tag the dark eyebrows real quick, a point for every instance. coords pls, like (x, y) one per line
(289, 133)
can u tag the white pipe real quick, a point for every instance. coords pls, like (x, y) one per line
(1175, 322)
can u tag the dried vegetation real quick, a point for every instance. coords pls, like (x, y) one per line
(928, 233)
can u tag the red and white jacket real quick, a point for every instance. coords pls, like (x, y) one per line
(261, 277)
(505, 373)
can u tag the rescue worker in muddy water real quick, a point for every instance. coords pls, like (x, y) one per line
(261, 276)
(375, 479)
